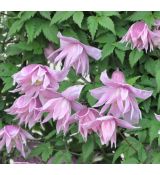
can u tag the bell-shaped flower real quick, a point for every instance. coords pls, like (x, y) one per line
(75, 54)
(61, 105)
(139, 36)
(26, 110)
(85, 116)
(119, 97)
(35, 77)
(14, 136)
(107, 127)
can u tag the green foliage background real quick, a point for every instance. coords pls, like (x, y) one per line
(23, 37)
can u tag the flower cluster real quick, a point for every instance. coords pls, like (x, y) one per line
(39, 89)
(141, 37)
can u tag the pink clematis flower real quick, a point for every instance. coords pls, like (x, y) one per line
(14, 136)
(60, 106)
(157, 117)
(140, 36)
(106, 128)
(35, 77)
(85, 116)
(26, 110)
(75, 54)
(119, 97)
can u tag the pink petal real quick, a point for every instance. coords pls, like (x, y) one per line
(143, 94)
(72, 93)
(93, 52)
(104, 78)
(124, 124)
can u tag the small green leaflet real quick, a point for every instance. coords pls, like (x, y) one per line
(134, 56)
(92, 25)
(78, 17)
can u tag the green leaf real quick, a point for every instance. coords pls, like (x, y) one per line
(8, 83)
(58, 157)
(91, 100)
(120, 54)
(150, 66)
(45, 14)
(133, 80)
(158, 105)
(61, 16)
(158, 79)
(87, 149)
(107, 50)
(153, 130)
(156, 158)
(17, 25)
(131, 160)
(139, 15)
(50, 32)
(134, 56)
(44, 149)
(92, 25)
(62, 157)
(33, 28)
(147, 105)
(107, 23)
(108, 13)
(78, 17)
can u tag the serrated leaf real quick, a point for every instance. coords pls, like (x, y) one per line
(107, 50)
(107, 23)
(50, 32)
(44, 149)
(61, 16)
(134, 56)
(78, 17)
(33, 28)
(17, 25)
(45, 14)
(92, 25)
(120, 54)
(138, 16)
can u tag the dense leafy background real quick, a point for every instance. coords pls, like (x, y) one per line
(24, 35)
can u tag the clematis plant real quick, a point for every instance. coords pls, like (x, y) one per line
(60, 106)
(74, 53)
(139, 36)
(14, 136)
(84, 116)
(106, 127)
(35, 77)
(26, 109)
(119, 97)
